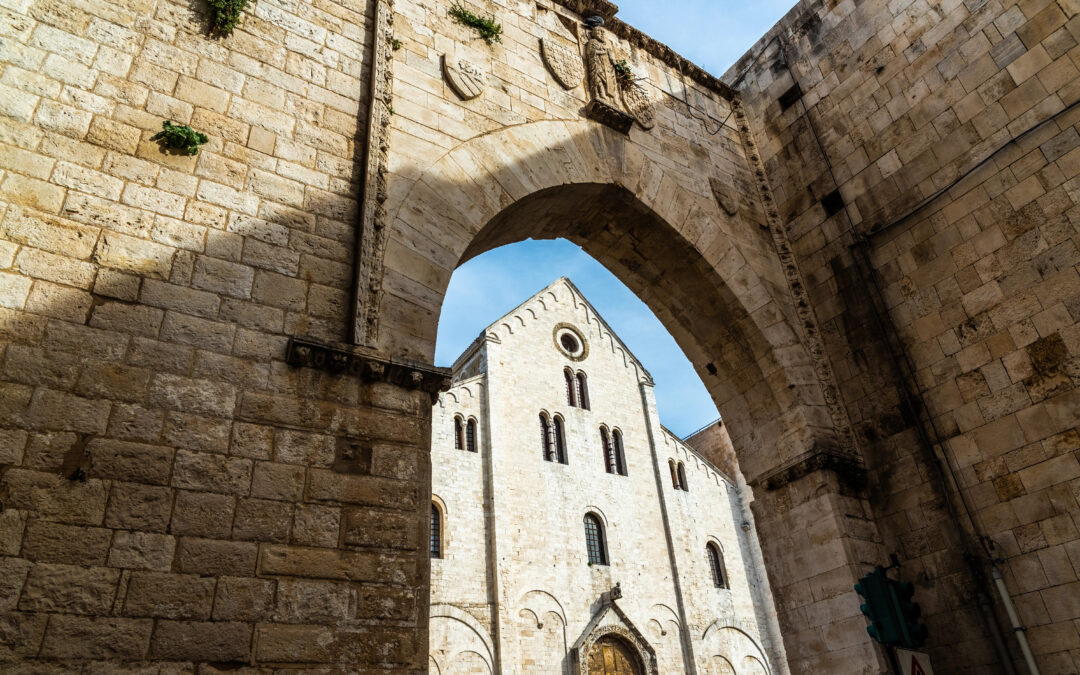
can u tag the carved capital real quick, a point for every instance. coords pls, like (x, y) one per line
(350, 361)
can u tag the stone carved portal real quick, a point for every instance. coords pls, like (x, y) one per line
(610, 655)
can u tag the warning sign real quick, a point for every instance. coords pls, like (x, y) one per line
(914, 663)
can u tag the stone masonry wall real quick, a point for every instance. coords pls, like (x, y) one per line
(172, 492)
(950, 131)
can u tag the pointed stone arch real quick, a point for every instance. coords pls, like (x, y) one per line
(711, 278)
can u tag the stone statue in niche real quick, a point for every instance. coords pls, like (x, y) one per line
(609, 92)
(600, 57)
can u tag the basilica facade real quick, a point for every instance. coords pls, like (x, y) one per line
(570, 531)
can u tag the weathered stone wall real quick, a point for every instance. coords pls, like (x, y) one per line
(946, 279)
(531, 568)
(173, 492)
(146, 301)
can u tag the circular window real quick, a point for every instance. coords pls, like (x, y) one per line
(570, 342)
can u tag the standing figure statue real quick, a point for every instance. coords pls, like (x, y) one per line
(600, 56)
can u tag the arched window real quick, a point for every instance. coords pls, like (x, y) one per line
(470, 436)
(458, 444)
(546, 444)
(594, 540)
(716, 565)
(570, 398)
(435, 539)
(560, 441)
(674, 474)
(620, 456)
(611, 464)
(582, 391)
(682, 478)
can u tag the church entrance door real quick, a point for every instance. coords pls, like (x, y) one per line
(611, 656)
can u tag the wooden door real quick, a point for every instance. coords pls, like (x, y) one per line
(611, 656)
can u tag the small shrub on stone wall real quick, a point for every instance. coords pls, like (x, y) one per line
(180, 138)
(225, 15)
(488, 29)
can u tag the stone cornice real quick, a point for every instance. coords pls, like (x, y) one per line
(658, 49)
(848, 467)
(341, 359)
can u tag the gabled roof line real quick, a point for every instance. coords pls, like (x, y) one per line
(581, 296)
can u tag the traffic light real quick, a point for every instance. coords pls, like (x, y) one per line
(893, 613)
(878, 607)
(914, 633)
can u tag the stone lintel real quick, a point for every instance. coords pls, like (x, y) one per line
(605, 113)
(848, 467)
(305, 352)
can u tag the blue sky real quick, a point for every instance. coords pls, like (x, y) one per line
(712, 34)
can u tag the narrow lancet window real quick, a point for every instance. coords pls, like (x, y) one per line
(470, 436)
(435, 541)
(594, 540)
(716, 565)
(682, 478)
(617, 451)
(674, 474)
(582, 391)
(560, 441)
(458, 444)
(569, 379)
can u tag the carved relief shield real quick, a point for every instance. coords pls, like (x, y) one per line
(464, 77)
(725, 195)
(563, 62)
(638, 104)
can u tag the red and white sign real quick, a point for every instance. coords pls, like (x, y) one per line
(913, 663)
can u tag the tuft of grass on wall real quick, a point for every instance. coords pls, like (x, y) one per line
(488, 29)
(225, 14)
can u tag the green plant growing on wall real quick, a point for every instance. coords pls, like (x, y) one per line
(225, 15)
(396, 44)
(180, 138)
(623, 71)
(488, 29)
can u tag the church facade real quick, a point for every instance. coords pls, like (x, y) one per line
(570, 531)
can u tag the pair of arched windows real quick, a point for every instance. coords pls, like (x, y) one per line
(678, 475)
(464, 434)
(612, 446)
(594, 540)
(577, 389)
(553, 438)
(716, 565)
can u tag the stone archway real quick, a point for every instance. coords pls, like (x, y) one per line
(714, 280)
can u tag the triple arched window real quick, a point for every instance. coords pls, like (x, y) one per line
(678, 475)
(716, 565)
(594, 540)
(553, 438)
(577, 389)
(435, 535)
(612, 446)
(464, 434)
